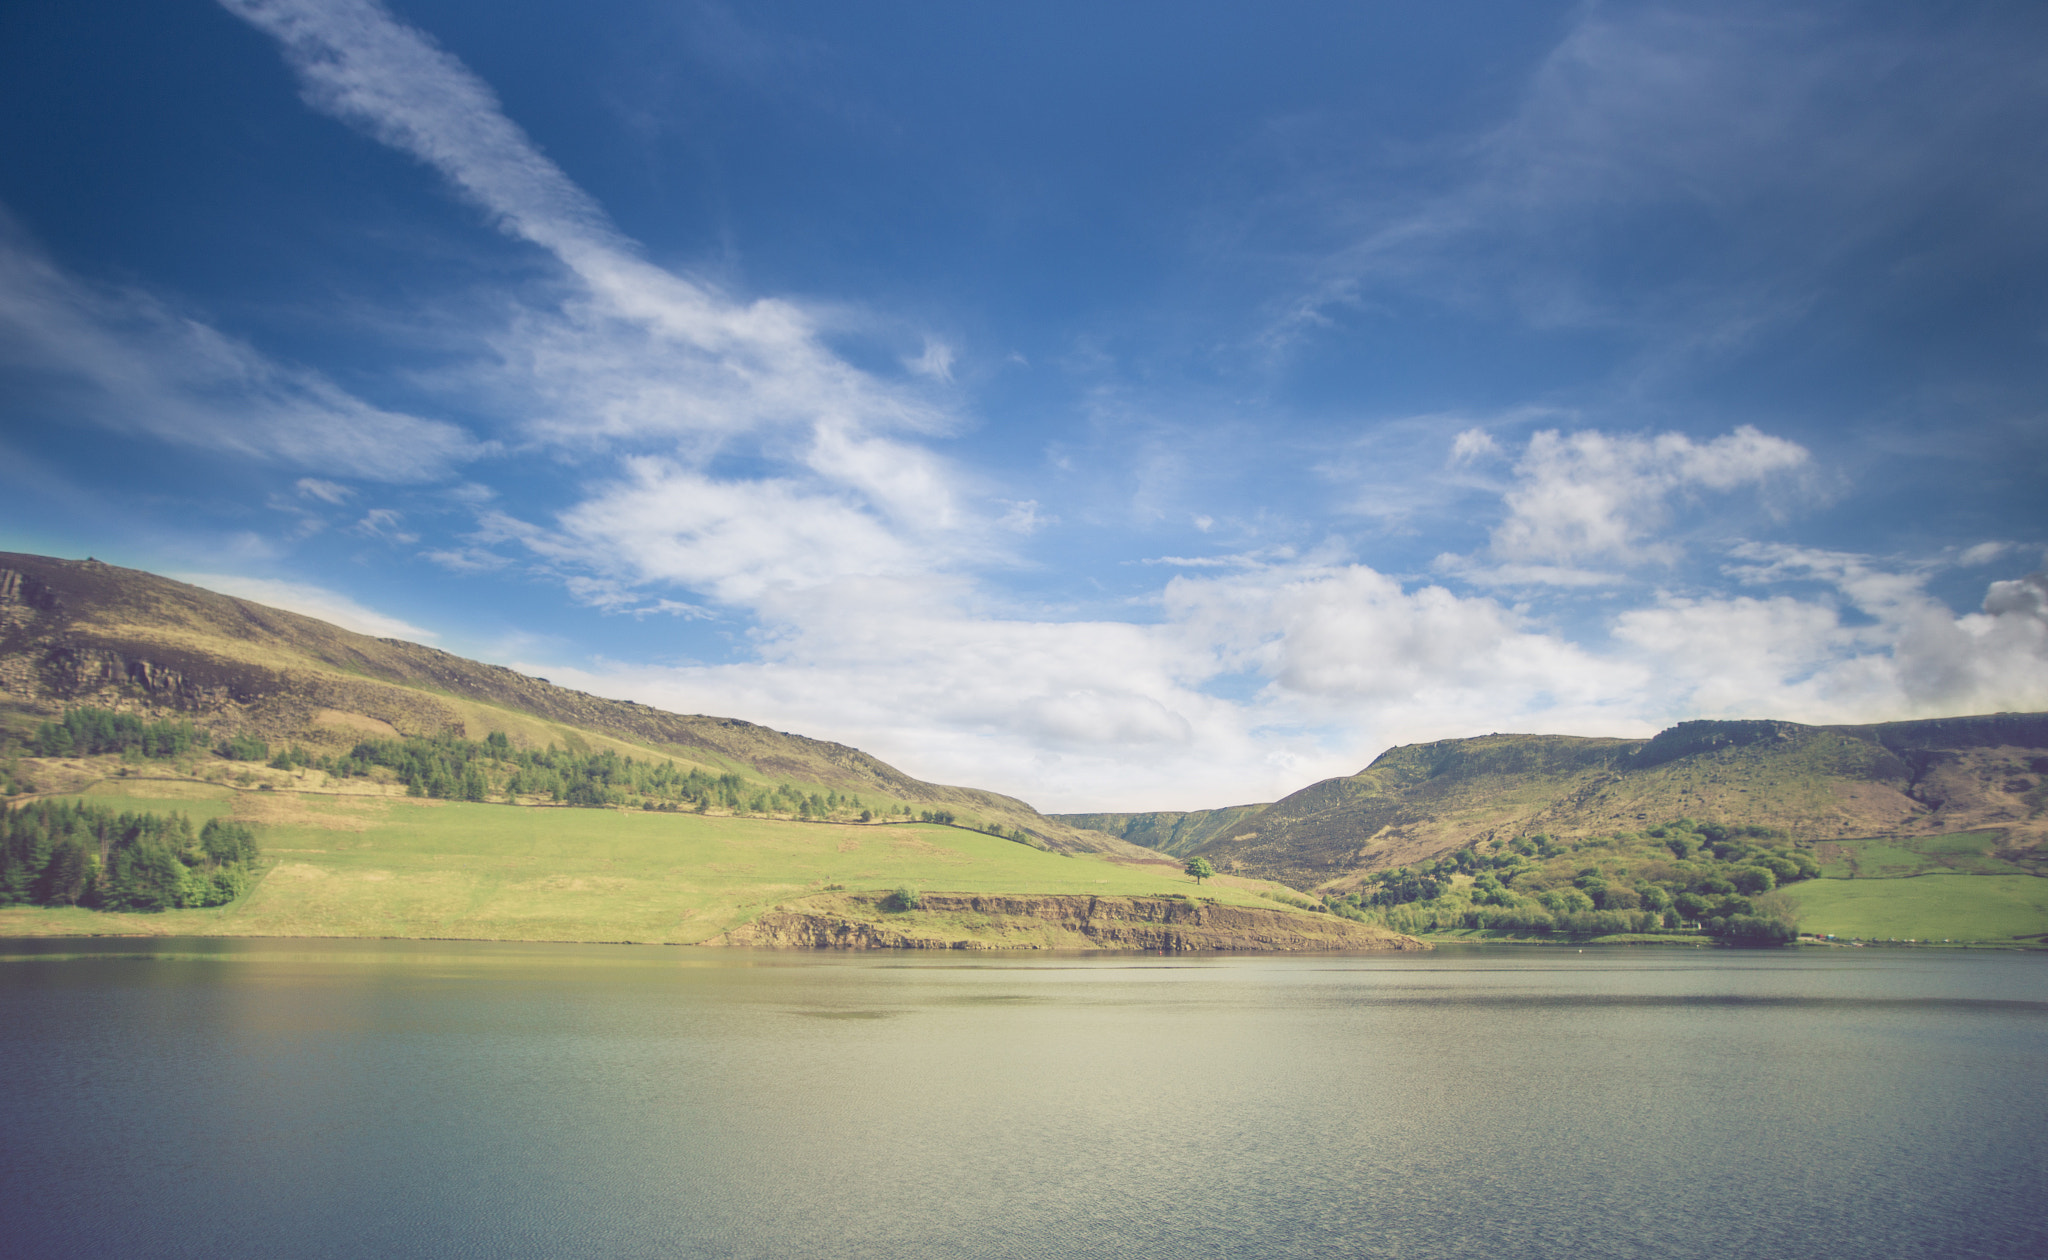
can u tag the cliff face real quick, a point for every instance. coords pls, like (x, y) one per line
(968, 921)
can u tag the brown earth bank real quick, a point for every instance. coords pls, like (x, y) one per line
(972, 921)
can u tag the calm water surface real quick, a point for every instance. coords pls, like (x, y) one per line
(353, 1098)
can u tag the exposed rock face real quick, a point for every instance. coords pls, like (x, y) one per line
(969, 921)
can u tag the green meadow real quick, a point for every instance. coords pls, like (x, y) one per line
(1894, 857)
(1955, 907)
(362, 866)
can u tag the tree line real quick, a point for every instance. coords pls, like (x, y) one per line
(1683, 875)
(452, 767)
(75, 853)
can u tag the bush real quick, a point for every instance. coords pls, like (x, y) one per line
(244, 748)
(904, 898)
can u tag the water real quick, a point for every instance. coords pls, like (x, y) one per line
(352, 1098)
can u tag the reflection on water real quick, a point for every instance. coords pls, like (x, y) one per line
(353, 1098)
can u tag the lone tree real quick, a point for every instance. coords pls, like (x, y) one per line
(1199, 868)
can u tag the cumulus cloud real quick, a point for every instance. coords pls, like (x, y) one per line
(312, 601)
(1473, 444)
(1880, 648)
(1339, 660)
(1599, 496)
(129, 362)
(852, 550)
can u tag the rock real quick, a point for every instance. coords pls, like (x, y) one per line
(972, 921)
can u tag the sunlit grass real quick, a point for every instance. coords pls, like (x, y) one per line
(366, 866)
(1930, 907)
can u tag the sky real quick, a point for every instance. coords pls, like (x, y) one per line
(1126, 407)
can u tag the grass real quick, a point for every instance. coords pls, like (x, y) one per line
(1947, 906)
(399, 867)
(1895, 857)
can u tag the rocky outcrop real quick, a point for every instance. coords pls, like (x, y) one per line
(971, 921)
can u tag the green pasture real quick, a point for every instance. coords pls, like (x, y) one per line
(1894, 857)
(1940, 907)
(398, 867)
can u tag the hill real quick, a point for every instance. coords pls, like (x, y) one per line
(369, 865)
(85, 633)
(1421, 802)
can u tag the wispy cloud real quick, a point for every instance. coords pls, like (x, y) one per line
(1736, 159)
(663, 369)
(725, 449)
(646, 351)
(325, 491)
(312, 601)
(128, 361)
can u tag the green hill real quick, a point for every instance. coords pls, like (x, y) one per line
(398, 790)
(1817, 785)
(382, 865)
(84, 633)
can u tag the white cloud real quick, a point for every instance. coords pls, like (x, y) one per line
(1473, 444)
(1906, 655)
(312, 601)
(855, 552)
(325, 491)
(667, 371)
(126, 361)
(1598, 496)
(1333, 637)
(465, 559)
(645, 351)
(936, 361)
(740, 542)
(385, 523)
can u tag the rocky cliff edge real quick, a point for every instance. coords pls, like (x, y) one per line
(970, 921)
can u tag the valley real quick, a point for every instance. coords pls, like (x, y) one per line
(397, 790)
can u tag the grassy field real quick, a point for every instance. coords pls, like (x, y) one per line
(399, 867)
(1940, 907)
(1894, 857)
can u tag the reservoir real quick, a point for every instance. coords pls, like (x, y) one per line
(253, 1098)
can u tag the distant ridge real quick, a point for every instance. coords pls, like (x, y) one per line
(84, 632)
(1419, 801)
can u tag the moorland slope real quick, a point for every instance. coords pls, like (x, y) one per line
(1419, 802)
(86, 633)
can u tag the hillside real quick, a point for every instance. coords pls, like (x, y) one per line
(1419, 802)
(361, 865)
(1167, 832)
(85, 633)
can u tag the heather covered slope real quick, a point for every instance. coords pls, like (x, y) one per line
(1421, 801)
(82, 632)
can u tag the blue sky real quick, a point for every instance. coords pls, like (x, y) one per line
(1137, 406)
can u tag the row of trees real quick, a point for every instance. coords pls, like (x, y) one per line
(64, 853)
(1682, 875)
(450, 767)
(87, 731)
